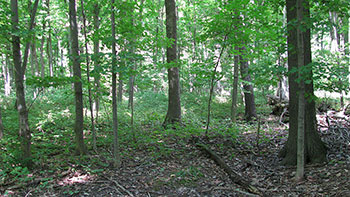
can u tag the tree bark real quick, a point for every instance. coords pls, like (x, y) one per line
(1, 126)
(75, 58)
(315, 150)
(96, 41)
(24, 131)
(88, 77)
(249, 100)
(174, 106)
(116, 153)
(235, 88)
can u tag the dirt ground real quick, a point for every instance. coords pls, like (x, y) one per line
(189, 171)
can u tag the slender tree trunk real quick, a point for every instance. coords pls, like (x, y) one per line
(1, 126)
(7, 76)
(315, 150)
(42, 60)
(235, 88)
(49, 40)
(120, 89)
(79, 114)
(250, 110)
(96, 41)
(174, 105)
(20, 67)
(116, 153)
(88, 78)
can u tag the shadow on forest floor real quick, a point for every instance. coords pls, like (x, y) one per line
(173, 166)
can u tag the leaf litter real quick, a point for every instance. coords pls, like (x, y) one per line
(176, 167)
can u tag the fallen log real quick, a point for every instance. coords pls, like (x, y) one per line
(235, 177)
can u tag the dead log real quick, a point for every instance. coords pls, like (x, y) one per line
(235, 177)
(279, 106)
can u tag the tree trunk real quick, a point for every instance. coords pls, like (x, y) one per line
(299, 175)
(235, 88)
(7, 75)
(315, 150)
(49, 40)
(1, 126)
(88, 77)
(249, 100)
(174, 105)
(24, 132)
(116, 153)
(120, 88)
(42, 60)
(96, 41)
(79, 115)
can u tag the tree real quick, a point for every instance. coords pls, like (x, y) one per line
(235, 88)
(116, 153)
(96, 57)
(1, 126)
(174, 106)
(315, 150)
(75, 58)
(249, 100)
(88, 77)
(20, 68)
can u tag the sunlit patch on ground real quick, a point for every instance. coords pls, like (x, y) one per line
(75, 177)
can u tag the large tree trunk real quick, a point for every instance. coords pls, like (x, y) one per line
(315, 150)
(250, 110)
(174, 105)
(79, 115)
(116, 153)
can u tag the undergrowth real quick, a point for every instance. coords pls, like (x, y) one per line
(51, 119)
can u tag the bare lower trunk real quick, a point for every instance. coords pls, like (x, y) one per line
(116, 152)
(88, 78)
(120, 89)
(79, 114)
(24, 132)
(235, 89)
(315, 150)
(250, 110)
(174, 106)
(96, 58)
(1, 126)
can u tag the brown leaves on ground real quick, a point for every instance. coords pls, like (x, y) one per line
(175, 167)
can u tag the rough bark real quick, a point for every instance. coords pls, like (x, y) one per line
(315, 150)
(116, 153)
(174, 106)
(249, 100)
(75, 58)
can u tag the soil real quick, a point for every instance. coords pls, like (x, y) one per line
(180, 168)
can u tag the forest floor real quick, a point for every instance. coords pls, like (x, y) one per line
(175, 166)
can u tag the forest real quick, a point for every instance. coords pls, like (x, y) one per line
(174, 98)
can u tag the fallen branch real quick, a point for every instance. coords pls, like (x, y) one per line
(235, 177)
(120, 186)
